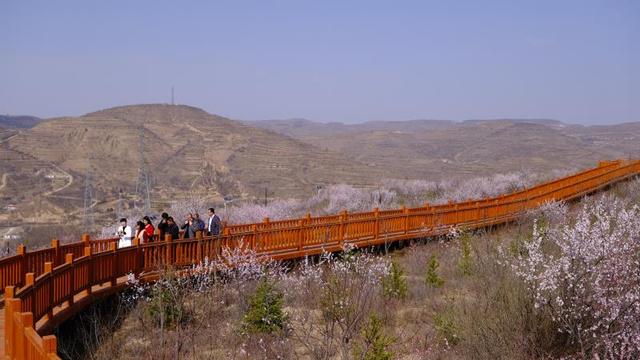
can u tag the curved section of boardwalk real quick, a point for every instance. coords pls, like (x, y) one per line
(45, 287)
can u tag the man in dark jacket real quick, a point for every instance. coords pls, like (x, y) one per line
(213, 228)
(198, 224)
(172, 228)
(189, 227)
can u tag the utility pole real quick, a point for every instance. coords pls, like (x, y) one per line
(87, 216)
(265, 197)
(142, 182)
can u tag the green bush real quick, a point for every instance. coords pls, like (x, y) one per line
(445, 325)
(465, 263)
(265, 314)
(432, 278)
(394, 284)
(376, 343)
(166, 303)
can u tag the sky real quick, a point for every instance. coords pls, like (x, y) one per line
(326, 60)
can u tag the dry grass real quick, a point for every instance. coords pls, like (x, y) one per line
(487, 314)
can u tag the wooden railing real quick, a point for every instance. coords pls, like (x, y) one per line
(44, 286)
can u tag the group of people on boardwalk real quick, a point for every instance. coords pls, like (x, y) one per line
(145, 231)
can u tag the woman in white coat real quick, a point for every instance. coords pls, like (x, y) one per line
(124, 232)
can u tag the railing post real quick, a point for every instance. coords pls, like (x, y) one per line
(48, 269)
(308, 218)
(50, 345)
(405, 219)
(86, 239)
(139, 264)
(114, 263)
(198, 246)
(343, 218)
(254, 239)
(266, 236)
(55, 245)
(29, 279)
(300, 235)
(68, 259)
(22, 252)
(9, 301)
(168, 239)
(25, 321)
(89, 253)
(376, 226)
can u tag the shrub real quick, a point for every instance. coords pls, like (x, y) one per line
(376, 343)
(444, 322)
(166, 302)
(465, 263)
(394, 284)
(265, 314)
(432, 278)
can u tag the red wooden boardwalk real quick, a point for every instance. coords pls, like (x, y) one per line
(45, 287)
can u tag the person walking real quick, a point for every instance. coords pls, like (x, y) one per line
(124, 232)
(213, 227)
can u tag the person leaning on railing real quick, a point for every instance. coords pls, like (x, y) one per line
(198, 225)
(139, 232)
(147, 235)
(189, 227)
(173, 229)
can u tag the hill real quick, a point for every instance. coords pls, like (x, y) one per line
(186, 150)
(19, 122)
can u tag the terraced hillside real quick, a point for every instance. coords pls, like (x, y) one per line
(439, 149)
(186, 150)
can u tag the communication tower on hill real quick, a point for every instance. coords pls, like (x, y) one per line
(143, 201)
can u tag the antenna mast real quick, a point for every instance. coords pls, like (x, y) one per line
(172, 98)
(142, 183)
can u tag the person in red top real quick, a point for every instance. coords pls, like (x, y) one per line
(148, 229)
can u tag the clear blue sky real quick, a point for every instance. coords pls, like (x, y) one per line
(351, 61)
